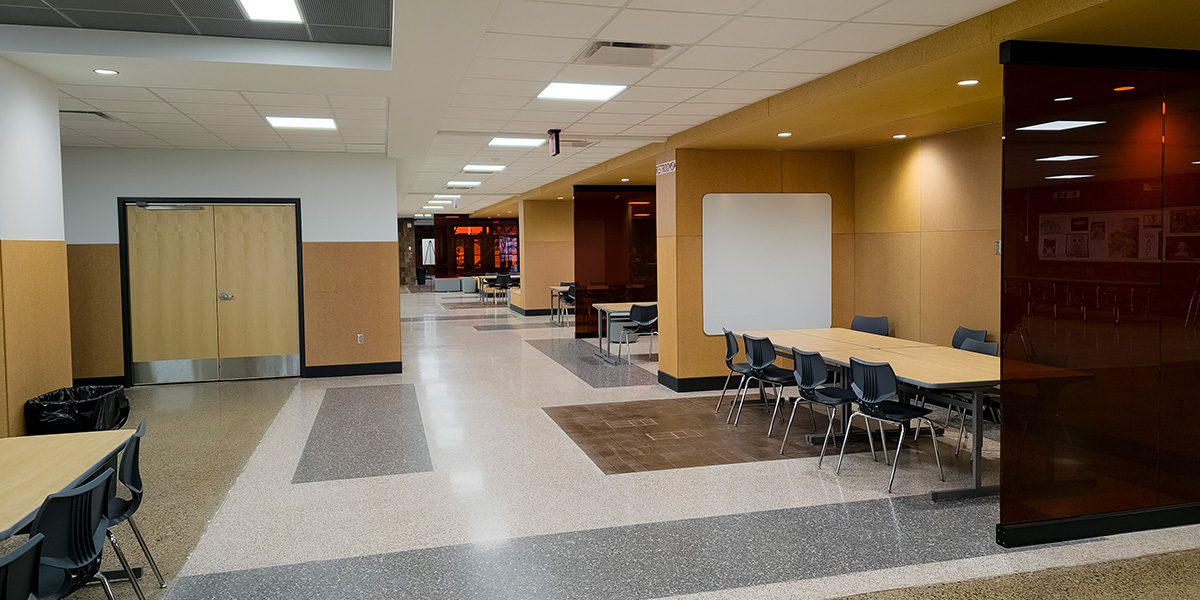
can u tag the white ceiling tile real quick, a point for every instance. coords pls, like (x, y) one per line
(702, 108)
(496, 114)
(579, 106)
(157, 106)
(150, 117)
(222, 128)
(85, 141)
(108, 92)
(732, 96)
(374, 148)
(477, 101)
(768, 81)
(232, 120)
(318, 147)
(277, 99)
(242, 138)
(358, 102)
(637, 108)
(150, 143)
(359, 113)
(73, 104)
(669, 119)
(721, 57)
(614, 118)
(930, 12)
(661, 27)
(523, 70)
(551, 117)
(831, 10)
(170, 127)
(176, 138)
(201, 145)
(867, 37)
(602, 74)
(473, 125)
(533, 128)
(767, 33)
(199, 96)
(686, 78)
(533, 18)
(500, 87)
(529, 47)
(724, 7)
(641, 93)
(216, 109)
(254, 146)
(654, 129)
(812, 61)
(299, 111)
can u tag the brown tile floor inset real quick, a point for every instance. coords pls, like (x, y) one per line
(651, 435)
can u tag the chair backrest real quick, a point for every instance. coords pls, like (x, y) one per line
(876, 325)
(503, 281)
(19, 570)
(872, 382)
(809, 368)
(963, 334)
(760, 352)
(569, 295)
(643, 314)
(130, 471)
(981, 347)
(731, 347)
(74, 524)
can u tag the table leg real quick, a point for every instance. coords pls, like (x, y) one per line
(977, 489)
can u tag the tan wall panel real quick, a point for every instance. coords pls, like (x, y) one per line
(960, 180)
(3, 364)
(887, 280)
(94, 274)
(887, 188)
(664, 191)
(547, 230)
(960, 283)
(823, 172)
(256, 263)
(843, 279)
(37, 330)
(701, 172)
(349, 288)
(668, 310)
(700, 355)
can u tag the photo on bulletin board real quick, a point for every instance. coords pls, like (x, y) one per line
(1050, 247)
(1053, 225)
(1123, 240)
(1152, 220)
(1183, 249)
(1079, 224)
(1185, 221)
(1077, 245)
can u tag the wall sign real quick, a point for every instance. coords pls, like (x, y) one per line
(664, 168)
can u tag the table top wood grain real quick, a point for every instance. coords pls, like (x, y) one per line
(618, 307)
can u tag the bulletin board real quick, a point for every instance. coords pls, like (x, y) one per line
(1112, 236)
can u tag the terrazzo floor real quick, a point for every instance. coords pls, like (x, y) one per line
(511, 507)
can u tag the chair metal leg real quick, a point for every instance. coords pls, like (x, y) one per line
(137, 533)
(883, 443)
(724, 388)
(870, 437)
(941, 473)
(741, 402)
(896, 460)
(745, 380)
(789, 427)
(137, 588)
(825, 442)
(962, 428)
(775, 413)
(108, 591)
(812, 413)
(842, 454)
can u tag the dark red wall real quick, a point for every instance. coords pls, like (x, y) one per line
(615, 249)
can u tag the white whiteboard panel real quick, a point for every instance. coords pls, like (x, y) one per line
(767, 261)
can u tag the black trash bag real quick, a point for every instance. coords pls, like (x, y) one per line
(74, 409)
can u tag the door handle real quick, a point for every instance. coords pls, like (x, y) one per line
(225, 296)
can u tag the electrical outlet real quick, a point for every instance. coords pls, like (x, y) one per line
(360, 338)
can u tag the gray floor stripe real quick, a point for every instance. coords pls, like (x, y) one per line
(577, 356)
(500, 317)
(515, 326)
(641, 561)
(365, 432)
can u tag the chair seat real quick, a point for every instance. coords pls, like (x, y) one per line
(833, 396)
(774, 374)
(742, 368)
(890, 410)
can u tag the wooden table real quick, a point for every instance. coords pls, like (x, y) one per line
(33, 467)
(605, 311)
(556, 308)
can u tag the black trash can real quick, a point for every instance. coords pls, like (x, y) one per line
(421, 276)
(74, 409)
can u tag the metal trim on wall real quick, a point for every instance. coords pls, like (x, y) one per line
(175, 371)
(257, 367)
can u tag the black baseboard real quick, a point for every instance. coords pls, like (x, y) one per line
(586, 335)
(114, 380)
(382, 368)
(692, 384)
(531, 312)
(1090, 526)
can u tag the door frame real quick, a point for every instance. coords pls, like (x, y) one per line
(123, 245)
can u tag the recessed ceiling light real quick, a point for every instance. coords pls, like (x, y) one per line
(784, 134)
(283, 11)
(446, 196)
(517, 142)
(422, 215)
(560, 197)
(1060, 125)
(1196, 162)
(641, 214)
(1124, 88)
(456, 184)
(639, 203)
(106, 71)
(624, 180)
(1069, 176)
(968, 82)
(483, 168)
(900, 136)
(301, 123)
(1064, 99)
(580, 91)
(1068, 157)
(441, 202)
(432, 207)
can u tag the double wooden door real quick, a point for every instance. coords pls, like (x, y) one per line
(212, 292)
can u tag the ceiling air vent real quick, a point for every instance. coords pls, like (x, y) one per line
(626, 54)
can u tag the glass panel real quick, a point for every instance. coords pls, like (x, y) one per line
(616, 249)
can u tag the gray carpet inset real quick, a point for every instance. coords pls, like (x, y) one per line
(578, 357)
(365, 432)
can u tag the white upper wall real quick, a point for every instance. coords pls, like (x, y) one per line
(31, 190)
(343, 197)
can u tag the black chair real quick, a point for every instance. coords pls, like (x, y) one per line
(760, 353)
(502, 285)
(981, 347)
(19, 570)
(740, 369)
(73, 523)
(963, 334)
(875, 325)
(811, 374)
(644, 320)
(567, 299)
(990, 402)
(877, 391)
(120, 510)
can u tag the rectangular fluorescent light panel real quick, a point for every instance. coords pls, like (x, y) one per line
(456, 184)
(1068, 157)
(446, 196)
(483, 168)
(301, 123)
(517, 142)
(1069, 176)
(432, 207)
(441, 202)
(581, 91)
(1060, 125)
(280, 11)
